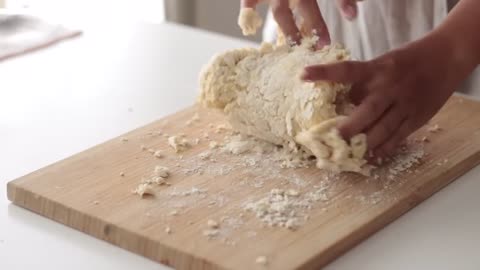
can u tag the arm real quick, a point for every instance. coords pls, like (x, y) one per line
(400, 91)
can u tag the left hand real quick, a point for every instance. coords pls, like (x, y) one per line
(398, 92)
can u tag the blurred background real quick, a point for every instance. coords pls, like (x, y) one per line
(202, 14)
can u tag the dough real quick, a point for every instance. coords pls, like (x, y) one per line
(249, 21)
(262, 95)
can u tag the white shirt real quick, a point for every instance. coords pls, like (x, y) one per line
(383, 25)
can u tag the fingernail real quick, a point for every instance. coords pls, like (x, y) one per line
(322, 42)
(350, 12)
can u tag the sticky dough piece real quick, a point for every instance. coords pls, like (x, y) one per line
(249, 21)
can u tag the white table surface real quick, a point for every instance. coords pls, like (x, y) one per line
(59, 101)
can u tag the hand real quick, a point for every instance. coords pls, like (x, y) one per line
(398, 92)
(310, 12)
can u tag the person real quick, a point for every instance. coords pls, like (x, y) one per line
(414, 57)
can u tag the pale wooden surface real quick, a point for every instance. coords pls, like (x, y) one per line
(66, 192)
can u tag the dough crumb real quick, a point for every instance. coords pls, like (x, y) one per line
(144, 189)
(161, 171)
(124, 139)
(293, 193)
(168, 230)
(221, 128)
(213, 145)
(435, 128)
(178, 144)
(96, 202)
(212, 224)
(158, 154)
(249, 21)
(195, 118)
(211, 233)
(122, 174)
(205, 155)
(261, 260)
(143, 147)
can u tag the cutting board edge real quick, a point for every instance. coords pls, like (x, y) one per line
(19, 197)
(382, 220)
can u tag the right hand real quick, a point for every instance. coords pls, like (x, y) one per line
(309, 10)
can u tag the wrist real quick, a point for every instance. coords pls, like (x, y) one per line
(455, 57)
(463, 51)
(435, 57)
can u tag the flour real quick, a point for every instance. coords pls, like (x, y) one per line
(189, 192)
(280, 209)
(406, 159)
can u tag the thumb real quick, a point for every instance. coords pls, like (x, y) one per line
(348, 8)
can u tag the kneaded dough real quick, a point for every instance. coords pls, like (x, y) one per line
(262, 95)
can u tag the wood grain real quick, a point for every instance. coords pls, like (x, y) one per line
(87, 193)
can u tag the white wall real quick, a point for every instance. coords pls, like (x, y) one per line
(221, 16)
(214, 15)
(79, 11)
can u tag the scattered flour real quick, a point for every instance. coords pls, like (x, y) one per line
(280, 208)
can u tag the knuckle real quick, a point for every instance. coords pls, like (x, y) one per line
(375, 106)
(387, 64)
(388, 128)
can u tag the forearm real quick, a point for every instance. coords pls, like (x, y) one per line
(460, 32)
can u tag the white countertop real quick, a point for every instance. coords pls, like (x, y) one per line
(59, 101)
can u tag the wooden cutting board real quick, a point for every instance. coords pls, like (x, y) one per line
(88, 193)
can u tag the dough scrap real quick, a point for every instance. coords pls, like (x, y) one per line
(249, 21)
(261, 93)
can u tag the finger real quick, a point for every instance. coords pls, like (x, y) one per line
(343, 72)
(367, 113)
(348, 8)
(385, 127)
(284, 17)
(388, 147)
(313, 21)
(357, 93)
(249, 3)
